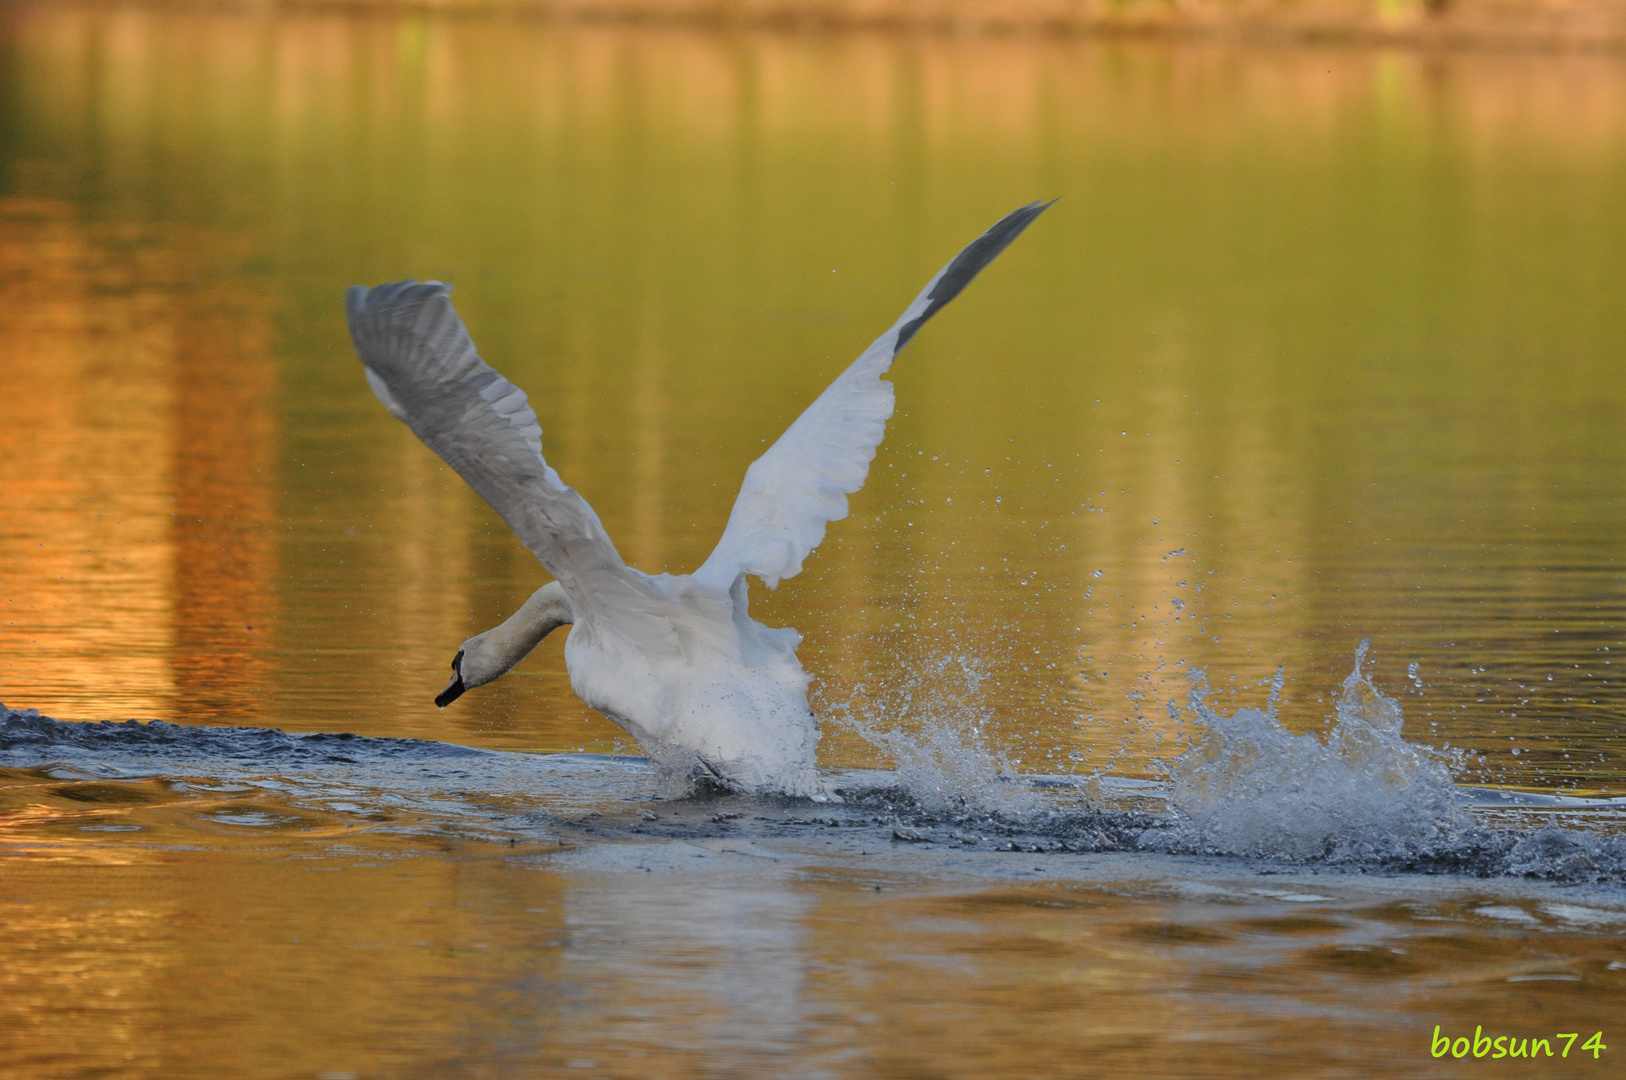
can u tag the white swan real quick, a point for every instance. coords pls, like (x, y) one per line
(675, 660)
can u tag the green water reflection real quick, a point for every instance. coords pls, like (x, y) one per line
(1321, 345)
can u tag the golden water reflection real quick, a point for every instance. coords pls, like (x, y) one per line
(261, 958)
(1318, 345)
(137, 562)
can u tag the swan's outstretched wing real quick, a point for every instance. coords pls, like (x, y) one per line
(422, 365)
(803, 481)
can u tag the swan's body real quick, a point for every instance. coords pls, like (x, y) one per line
(675, 660)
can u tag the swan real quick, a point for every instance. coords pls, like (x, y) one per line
(674, 659)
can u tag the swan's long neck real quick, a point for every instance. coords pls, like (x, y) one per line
(489, 655)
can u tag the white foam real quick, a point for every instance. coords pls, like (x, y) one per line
(1584, 916)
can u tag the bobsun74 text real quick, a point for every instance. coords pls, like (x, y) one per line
(1499, 1046)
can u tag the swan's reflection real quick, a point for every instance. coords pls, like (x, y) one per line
(691, 960)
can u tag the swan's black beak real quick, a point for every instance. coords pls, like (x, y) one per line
(455, 688)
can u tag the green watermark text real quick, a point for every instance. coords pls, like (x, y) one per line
(1481, 1045)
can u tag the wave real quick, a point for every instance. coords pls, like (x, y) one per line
(26, 733)
(1360, 799)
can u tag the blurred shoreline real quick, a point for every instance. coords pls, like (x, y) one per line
(1590, 25)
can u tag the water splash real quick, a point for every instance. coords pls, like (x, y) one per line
(1362, 797)
(1359, 797)
(1250, 787)
(931, 725)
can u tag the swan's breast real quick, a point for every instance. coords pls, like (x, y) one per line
(719, 695)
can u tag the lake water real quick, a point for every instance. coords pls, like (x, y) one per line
(1319, 346)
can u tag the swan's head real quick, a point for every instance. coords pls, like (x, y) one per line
(475, 664)
(488, 657)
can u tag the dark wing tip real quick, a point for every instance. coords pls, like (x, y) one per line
(983, 250)
(970, 261)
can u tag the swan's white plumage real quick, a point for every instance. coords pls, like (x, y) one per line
(801, 484)
(677, 661)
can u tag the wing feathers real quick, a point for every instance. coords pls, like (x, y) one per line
(423, 367)
(802, 483)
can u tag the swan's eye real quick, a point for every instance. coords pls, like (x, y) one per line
(457, 662)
